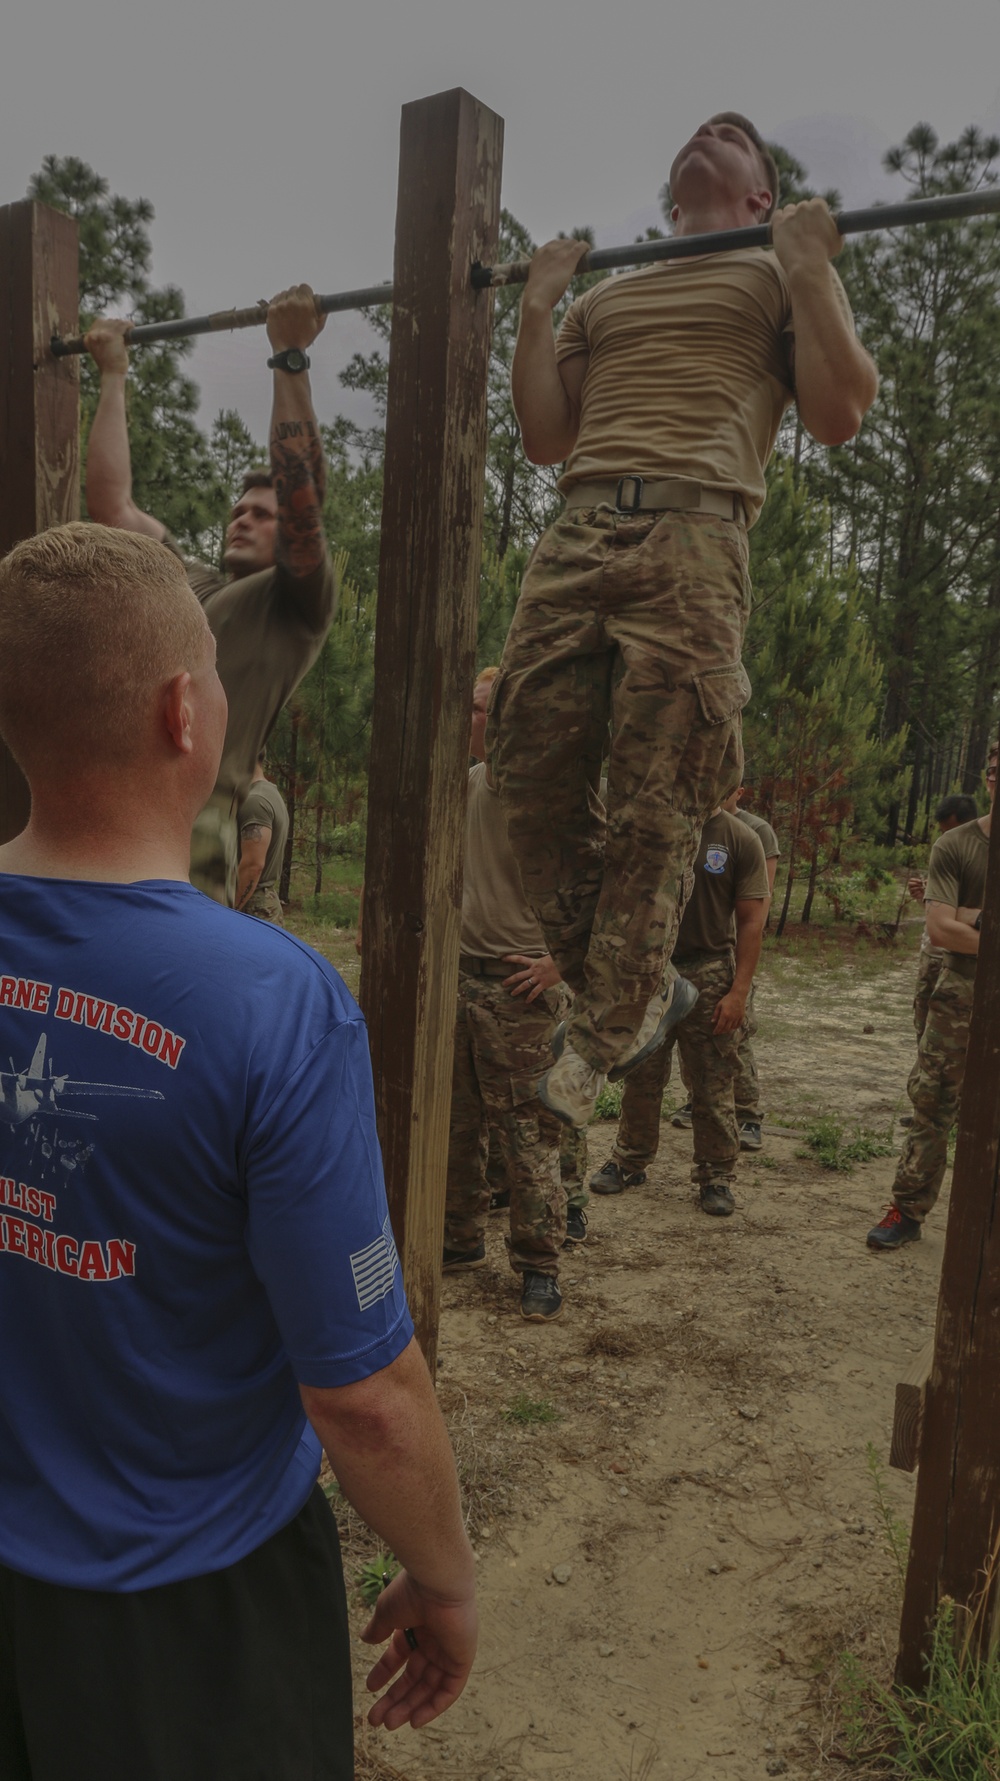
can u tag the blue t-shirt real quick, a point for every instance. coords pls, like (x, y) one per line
(192, 1219)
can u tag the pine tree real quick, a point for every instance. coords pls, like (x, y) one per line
(172, 471)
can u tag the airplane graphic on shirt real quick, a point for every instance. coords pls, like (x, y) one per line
(33, 1093)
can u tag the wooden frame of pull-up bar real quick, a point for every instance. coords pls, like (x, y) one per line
(447, 224)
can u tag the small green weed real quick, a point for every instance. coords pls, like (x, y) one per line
(609, 1102)
(828, 1139)
(370, 1579)
(895, 1531)
(527, 1412)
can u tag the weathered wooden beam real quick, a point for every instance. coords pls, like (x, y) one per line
(448, 215)
(957, 1509)
(39, 404)
(908, 1413)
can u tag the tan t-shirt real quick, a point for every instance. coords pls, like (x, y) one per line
(689, 372)
(268, 628)
(764, 832)
(957, 877)
(729, 865)
(496, 917)
(264, 805)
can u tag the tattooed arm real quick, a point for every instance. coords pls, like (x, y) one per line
(255, 839)
(297, 463)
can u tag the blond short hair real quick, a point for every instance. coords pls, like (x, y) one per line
(485, 677)
(93, 623)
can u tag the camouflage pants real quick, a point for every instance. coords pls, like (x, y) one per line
(266, 905)
(214, 847)
(502, 1046)
(746, 1087)
(572, 1165)
(637, 622)
(928, 971)
(934, 1088)
(710, 1060)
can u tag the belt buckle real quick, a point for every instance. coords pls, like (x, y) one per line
(636, 504)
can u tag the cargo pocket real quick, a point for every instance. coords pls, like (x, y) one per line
(722, 692)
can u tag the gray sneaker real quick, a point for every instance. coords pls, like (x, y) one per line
(613, 1179)
(750, 1138)
(576, 1226)
(665, 1010)
(716, 1199)
(682, 1118)
(570, 1089)
(541, 1300)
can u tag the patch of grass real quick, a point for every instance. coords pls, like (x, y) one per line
(370, 1578)
(609, 1102)
(835, 1147)
(528, 1412)
(950, 1731)
(338, 908)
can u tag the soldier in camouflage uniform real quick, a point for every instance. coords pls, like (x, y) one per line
(271, 609)
(746, 1087)
(663, 393)
(717, 949)
(509, 1000)
(957, 808)
(956, 885)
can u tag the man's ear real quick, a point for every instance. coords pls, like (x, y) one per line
(177, 711)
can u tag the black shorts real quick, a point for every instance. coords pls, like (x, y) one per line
(240, 1675)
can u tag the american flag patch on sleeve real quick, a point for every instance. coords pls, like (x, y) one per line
(374, 1268)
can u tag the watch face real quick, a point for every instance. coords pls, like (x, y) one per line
(295, 360)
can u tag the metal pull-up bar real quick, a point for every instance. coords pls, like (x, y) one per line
(877, 217)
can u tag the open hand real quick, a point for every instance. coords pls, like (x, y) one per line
(729, 1012)
(431, 1673)
(533, 975)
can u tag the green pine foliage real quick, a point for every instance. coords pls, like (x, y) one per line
(173, 474)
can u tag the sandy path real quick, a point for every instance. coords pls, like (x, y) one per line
(706, 1484)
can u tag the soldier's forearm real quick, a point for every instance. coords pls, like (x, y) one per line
(299, 471)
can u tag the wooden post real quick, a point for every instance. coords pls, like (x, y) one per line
(956, 1517)
(39, 404)
(448, 216)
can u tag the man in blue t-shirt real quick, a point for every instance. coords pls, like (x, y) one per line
(198, 1281)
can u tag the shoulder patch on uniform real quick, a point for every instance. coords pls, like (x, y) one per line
(715, 859)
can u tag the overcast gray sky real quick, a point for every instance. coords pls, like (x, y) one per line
(266, 136)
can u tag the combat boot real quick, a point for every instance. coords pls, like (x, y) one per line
(664, 1011)
(570, 1089)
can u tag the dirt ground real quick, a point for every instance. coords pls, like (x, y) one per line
(668, 1571)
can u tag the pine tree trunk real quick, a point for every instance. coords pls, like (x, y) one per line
(807, 906)
(318, 878)
(291, 792)
(783, 917)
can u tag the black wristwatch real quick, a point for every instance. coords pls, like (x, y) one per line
(292, 359)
